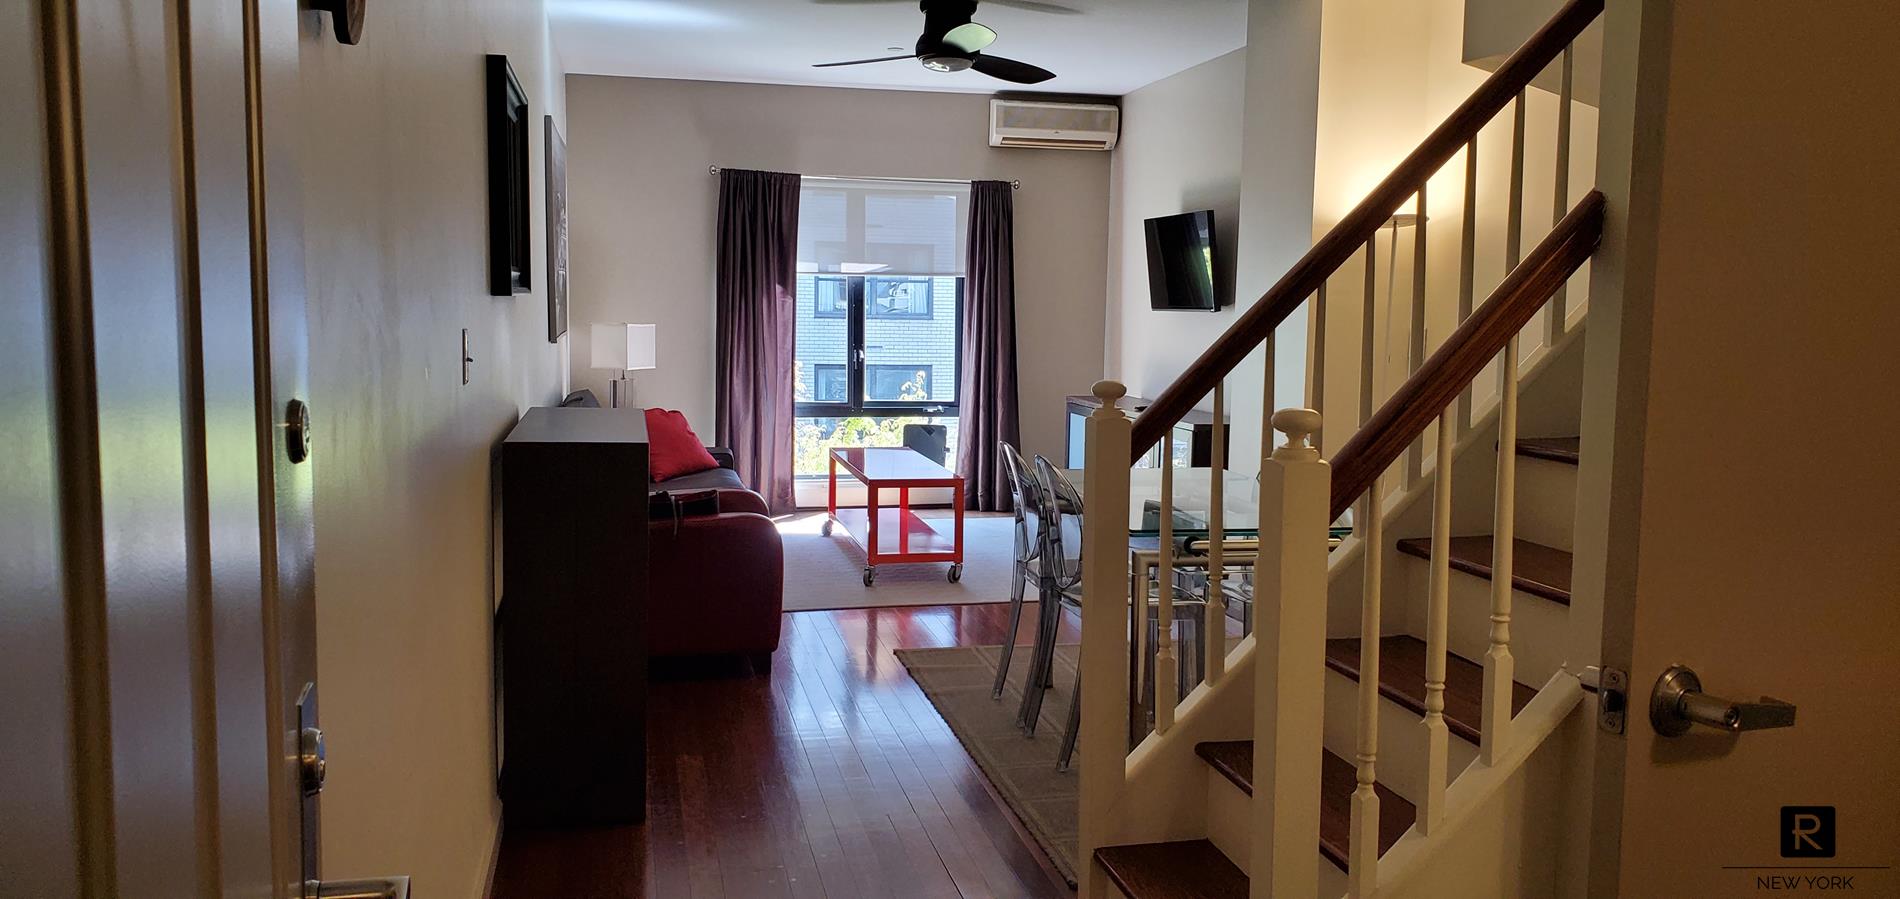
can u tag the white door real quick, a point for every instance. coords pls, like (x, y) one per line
(1742, 425)
(156, 604)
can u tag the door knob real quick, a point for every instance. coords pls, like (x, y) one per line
(1678, 701)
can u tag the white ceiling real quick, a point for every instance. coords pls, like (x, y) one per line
(1108, 47)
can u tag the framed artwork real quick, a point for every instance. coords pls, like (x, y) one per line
(509, 265)
(556, 194)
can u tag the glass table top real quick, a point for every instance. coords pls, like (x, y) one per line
(1192, 486)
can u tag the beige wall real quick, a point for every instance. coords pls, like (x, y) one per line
(644, 213)
(1390, 72)
(395, 209)
(1179, 152)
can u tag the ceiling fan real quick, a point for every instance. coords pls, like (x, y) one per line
(953, 43)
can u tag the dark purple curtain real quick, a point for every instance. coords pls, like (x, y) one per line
(756, 297)
(986, 396)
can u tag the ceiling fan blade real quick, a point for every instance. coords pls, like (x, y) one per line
(1036, 6)
(969, 37)
(1010, 70)
(859, 62)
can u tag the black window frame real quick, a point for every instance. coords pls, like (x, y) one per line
(818, 309)
(930, 297)
(856, 404)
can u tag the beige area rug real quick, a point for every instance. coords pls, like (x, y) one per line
(828, 572)
(1023, 769)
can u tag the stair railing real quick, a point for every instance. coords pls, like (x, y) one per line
(1299, 495)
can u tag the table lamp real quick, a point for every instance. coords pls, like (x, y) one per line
(625, 348)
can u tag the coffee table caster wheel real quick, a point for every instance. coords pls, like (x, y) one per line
(956, 572)
(825, 528)
(870, 574)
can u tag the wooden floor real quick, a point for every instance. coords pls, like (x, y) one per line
(834, 777)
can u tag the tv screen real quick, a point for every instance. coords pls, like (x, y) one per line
(1181, 261)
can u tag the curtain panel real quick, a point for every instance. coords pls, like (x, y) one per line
(756, 297)
(987, 395)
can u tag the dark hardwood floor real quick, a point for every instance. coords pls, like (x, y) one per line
(833, 777)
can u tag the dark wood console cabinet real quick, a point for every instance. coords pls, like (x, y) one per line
(1193, 436)
(571, 627)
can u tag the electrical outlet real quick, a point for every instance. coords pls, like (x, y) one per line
(467, 360)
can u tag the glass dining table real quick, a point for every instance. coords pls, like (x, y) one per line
(1188, 580)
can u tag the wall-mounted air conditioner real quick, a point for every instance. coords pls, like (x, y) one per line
(1053, 126)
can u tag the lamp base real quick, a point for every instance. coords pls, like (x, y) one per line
(620, 392)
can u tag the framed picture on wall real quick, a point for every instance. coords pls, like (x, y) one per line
(509, 267)
(556, 193)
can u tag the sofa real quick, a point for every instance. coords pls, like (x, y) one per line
(716, 584)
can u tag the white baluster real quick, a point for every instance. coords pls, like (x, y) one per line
(1556, 317)
(1166, 688)
(1103, 746)
(1514, 223)
(1415, 352)
(1214, 626)
(1499, 668)
(1316, 364)
(1289, 664)
(1367, 330)
(1431, 811)
(1467, 256)
(1362, 866)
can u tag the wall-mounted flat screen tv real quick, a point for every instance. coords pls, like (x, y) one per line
(1181, 261)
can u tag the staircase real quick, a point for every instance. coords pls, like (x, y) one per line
(1385, 728)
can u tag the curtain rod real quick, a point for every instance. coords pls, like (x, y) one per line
(1013, 184)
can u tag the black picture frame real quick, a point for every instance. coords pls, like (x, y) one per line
(556, 193)
(510, 268)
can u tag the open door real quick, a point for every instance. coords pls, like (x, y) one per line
(157, 617)
(1742, 412)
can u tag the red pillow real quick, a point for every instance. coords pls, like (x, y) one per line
(672, 447)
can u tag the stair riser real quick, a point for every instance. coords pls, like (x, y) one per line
(1540, 629)
(1546, 502)
(1401, 763)
(1228, 816)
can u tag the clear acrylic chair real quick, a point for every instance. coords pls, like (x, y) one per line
(1025, 494)
(1061, 585)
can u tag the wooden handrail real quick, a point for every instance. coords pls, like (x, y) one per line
(1360, 225)
(1430, 390)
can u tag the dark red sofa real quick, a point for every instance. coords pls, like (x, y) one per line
(716, 583)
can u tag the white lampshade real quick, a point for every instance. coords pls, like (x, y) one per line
(626, 347)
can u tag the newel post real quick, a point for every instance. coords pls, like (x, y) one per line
(1103, 744)
(1289, 647)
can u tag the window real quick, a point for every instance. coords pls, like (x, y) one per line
(879, 313)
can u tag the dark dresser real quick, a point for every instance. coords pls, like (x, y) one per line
(571, 627)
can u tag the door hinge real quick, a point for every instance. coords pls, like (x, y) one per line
(1612, 686)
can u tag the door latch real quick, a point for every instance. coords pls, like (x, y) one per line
(1678, 701)
(1612, 687)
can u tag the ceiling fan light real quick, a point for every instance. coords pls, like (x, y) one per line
(946, 63)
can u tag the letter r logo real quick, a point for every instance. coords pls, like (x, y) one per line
(1807, 831)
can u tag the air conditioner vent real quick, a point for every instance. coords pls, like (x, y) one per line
(1053, 126)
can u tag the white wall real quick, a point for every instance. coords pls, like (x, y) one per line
(1179, 152)
(395, 229)
(1390, 72)
(644, 210)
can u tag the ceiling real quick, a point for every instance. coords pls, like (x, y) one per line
(1108, 47)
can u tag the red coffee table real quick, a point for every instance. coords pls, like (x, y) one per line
(895, 535)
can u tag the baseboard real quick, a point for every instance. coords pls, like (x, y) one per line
(494, 860)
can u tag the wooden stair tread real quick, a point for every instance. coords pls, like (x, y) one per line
(1337, 780)
(1402, 680)
(1553, 449)
(1535, 568)
(1188, 869)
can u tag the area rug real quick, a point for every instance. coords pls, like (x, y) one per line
(957, 680)
(828, 572)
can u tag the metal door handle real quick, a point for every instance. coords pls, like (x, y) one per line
(1678, 701)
